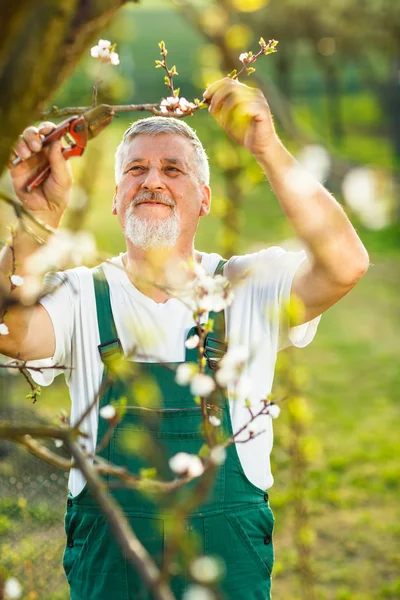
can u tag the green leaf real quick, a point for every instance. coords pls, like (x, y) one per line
(176, 92)
(204, 451)
(232, 74)
(149, 473)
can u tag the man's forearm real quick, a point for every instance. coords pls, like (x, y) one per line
(13, 261)
(317, 219)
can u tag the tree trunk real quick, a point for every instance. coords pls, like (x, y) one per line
(41, 44)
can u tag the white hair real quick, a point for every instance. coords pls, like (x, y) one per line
(159, 125)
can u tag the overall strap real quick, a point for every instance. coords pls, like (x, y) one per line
(110, 344)
(219, 317)
(215, 343)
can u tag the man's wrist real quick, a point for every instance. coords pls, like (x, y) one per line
(269, 152)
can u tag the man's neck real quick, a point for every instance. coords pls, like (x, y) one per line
(157, 272)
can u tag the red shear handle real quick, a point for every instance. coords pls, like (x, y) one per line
(44, 169)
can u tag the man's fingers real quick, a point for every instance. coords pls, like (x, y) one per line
(60, 168)
(46, 127)
(31, 141)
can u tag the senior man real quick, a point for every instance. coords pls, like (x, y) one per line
(162, 191)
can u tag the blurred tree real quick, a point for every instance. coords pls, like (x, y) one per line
(41, 44)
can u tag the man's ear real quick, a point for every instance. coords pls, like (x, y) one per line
(206, 201)
(114, 204)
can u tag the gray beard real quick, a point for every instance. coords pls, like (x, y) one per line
(152, 233)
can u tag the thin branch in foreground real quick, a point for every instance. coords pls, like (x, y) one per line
(21, 211)
(129, 544)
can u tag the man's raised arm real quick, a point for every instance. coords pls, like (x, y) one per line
(337, 258)
(31, 334)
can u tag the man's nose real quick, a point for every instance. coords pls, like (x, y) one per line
(153, 180)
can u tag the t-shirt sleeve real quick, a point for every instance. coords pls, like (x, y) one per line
(59, 303)
(271, 273)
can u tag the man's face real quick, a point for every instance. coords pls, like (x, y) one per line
(159, 196)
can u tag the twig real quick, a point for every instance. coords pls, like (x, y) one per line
(20, 210)
(92, 404)
(169, 78)
(118, 108)
(126, 539)
(44, 453)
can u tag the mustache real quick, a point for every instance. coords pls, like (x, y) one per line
(153, 196)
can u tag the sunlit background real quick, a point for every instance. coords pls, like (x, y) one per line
(334, 89)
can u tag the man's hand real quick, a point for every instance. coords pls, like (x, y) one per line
(243, 112)
(50, 199)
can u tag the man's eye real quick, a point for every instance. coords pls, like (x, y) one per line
(172, 169)
(136, 168)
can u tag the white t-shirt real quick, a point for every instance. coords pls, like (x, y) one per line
(159, 331)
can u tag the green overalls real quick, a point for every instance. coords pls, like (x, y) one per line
(234, 523)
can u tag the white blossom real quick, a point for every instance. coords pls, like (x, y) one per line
(185, 373)
(198, 592)
(206, 293)
(17, 280)
(105, 53)
(176, 105)
(244, 58)
(206, 569)
(215, 422)
(114, 59)
(192, 342)
(63, 249)
(202, 385)
(58, 443)
(316, 159)
(12, 589)
(186, 464)
(31, 289)
(370, 195)
(230, 368)
(3, 329)
(243, 386)
(274, 411)
(108, 412)
(218, 455)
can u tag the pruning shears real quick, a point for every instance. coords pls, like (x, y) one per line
(76, 131)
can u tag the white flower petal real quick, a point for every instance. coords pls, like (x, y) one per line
(17, 280)
(218, 455)
(104, 44)
(198, 592)
(206, 569)
(114, 58)
(192, 342)
(243, 386)
(3, 329)
(12, 589)
(108, 412)
(104, 53)
(196, 467)
(215, 422)
(185, 373)
(274, 411)
(180, 463)
(224, 375)
(202, 385)
(95, 51)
